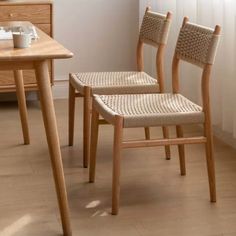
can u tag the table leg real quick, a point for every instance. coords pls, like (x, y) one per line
(46, 99)
(20, 92)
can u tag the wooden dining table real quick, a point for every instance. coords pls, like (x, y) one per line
(36, 58)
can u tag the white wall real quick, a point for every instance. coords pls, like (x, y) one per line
(102, 34)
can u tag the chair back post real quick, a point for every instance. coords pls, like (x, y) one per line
(205, 87)
(175, 66)
(160, 67)
(140, 66)
(160, 60)
(206, 80)
(175, 74)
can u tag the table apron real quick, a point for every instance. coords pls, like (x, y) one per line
(18, 65)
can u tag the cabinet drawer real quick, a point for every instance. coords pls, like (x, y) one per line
(7, 77)
(46, 28)
(33, 13)
(29, 76)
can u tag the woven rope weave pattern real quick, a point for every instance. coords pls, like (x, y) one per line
(154, 29)
(197, 44)
(151, 109)
(111, 82)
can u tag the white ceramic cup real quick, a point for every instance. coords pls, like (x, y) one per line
(21, 40)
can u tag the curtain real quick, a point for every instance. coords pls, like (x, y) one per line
(223, 80)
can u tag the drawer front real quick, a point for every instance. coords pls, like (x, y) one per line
(46, 28)
(33, 13)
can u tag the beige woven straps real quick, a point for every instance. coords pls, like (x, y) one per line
(197, 44)
(154, 29)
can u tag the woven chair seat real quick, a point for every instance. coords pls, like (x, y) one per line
(114, 82)
(143, 110)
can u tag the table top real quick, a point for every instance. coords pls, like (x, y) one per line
(43, 48)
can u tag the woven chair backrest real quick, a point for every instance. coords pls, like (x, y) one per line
(197, 44)
(154, 29)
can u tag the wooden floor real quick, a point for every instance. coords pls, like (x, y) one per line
(155, 199)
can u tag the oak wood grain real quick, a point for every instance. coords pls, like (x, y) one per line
(33, 13)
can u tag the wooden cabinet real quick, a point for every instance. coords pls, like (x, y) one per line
(38, 12)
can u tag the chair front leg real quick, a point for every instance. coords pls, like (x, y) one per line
(86, 126)
(179, 131)
(165, 132)
(210, 160)
(93, 145)
(117, 147)
(71, 119)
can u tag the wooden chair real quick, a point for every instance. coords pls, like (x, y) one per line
(154, 31)
(196, 45)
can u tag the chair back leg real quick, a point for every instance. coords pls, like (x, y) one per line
(165, 135)
(210, 160)
(147, 133)
(165, 132)
(71, 120)
(179, 132)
